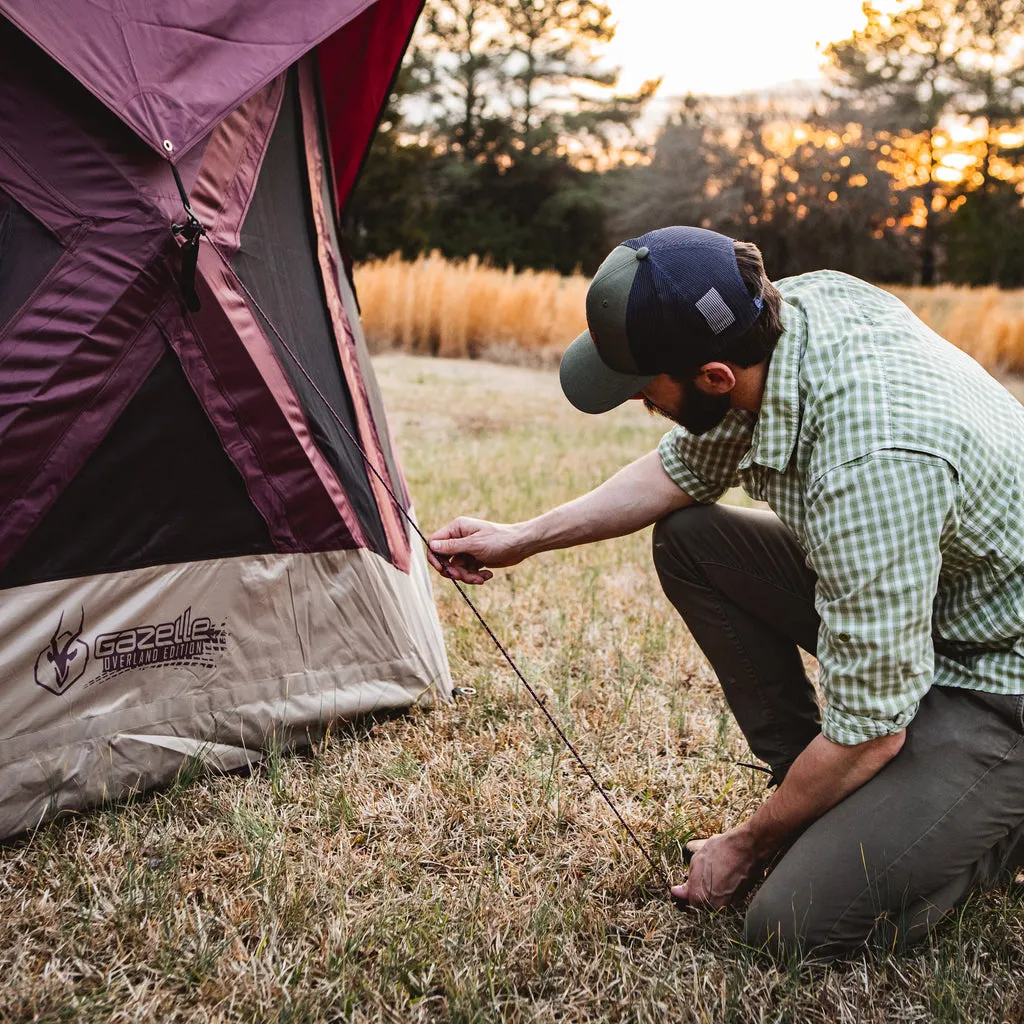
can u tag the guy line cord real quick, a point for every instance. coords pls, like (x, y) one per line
(200, 231)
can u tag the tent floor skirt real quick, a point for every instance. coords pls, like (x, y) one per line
(109, 683)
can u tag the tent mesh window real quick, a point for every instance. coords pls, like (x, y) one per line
(277, 262)
(348, 297)
(28, 252)
(148, 495)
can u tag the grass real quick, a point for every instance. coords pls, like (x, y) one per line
(451, 865)
(433, 307)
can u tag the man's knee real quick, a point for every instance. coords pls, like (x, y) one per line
(774, 923)
(788, 925)
(683, 534)
(785, 921)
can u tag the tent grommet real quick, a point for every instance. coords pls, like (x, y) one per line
(463, 691)
(168, 145)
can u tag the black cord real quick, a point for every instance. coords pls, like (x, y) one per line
(658, 870)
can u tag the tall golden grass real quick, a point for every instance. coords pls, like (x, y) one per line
(432, 306)
(987, 323)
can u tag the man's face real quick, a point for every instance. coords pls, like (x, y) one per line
(683, 402)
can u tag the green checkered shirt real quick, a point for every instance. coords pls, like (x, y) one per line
(898, 464)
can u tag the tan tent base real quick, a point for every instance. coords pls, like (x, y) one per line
(108, 683)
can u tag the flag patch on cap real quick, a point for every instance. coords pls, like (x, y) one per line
(713, 308)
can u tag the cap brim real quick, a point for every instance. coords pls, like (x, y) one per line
(591, 385)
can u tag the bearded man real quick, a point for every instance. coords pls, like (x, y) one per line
(893, 466)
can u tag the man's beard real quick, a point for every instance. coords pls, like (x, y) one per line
(699, 413)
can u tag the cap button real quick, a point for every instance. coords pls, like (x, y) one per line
(641, 253)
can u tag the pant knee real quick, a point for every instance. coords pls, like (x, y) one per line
(787, 927)
(773, 925)
(680, 535)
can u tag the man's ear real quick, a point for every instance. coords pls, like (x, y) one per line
(715, 379)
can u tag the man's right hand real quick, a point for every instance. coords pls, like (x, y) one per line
(465, 548)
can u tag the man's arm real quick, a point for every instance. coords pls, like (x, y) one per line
(874, 537)
(635, 497)
(824, 773)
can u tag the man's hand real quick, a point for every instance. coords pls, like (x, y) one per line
(465, 547)
(723, 869)
(726, 866)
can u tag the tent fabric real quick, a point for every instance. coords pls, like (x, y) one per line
(187, 499)
(173, 71)
(332, 273)
(28, 252)
(218, 658)
(357, 66)
(232, 363)
(277, 262)
(192, 558)
(72, 357)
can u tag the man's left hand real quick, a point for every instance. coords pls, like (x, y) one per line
(723, 869)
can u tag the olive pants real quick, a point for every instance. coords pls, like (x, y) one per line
(945, 816)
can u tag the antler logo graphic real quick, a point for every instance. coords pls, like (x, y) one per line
(63, 660)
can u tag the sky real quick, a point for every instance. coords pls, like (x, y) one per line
(727, 46)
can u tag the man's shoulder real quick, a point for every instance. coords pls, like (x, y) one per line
(874, 376)
(860, 334)
(817, 279)
(845, 296)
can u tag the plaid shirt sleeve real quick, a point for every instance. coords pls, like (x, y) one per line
(705, 467)
(874, 528)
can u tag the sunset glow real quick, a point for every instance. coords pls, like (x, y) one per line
(729, 46)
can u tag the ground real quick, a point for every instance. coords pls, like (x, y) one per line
(451, 864)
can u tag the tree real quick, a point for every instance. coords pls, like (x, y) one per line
(825, 204)
(559, 88)
(505, 110)
(805, 188)
(389, 210)
(457, 60)
(990, 66)
(685, 181)
(504, 79)
(905, 72)
(986, 239)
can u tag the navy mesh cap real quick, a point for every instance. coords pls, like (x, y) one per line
(666, 302)
(687, 299)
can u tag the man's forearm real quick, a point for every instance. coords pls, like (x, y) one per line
(638, 495)
(820, 777)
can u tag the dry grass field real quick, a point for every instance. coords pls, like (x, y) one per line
(451, 864)
(433, 307)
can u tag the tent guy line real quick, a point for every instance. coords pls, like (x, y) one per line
(188, 259)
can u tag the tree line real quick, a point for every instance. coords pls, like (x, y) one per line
(506, 137)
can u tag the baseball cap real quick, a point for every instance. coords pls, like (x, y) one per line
(666, 302)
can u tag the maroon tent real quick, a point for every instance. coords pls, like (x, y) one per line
(194, 557)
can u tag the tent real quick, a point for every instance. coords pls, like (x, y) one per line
(194, 558)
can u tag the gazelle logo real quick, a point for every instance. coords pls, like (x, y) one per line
(186, 641)
(63, 661)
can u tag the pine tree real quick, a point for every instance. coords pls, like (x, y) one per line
(905, 72)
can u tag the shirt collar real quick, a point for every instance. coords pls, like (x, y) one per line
(778, 422)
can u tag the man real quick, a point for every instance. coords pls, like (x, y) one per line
(894, 551)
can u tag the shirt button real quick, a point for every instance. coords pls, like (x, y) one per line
(843, 636)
